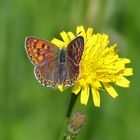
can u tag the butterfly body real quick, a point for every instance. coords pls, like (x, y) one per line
(55, 66)
(62, 55)
(62, 66)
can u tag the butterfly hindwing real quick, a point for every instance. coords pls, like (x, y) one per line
(75, 49)
(39, 49)
(72, 73)
(45, 72)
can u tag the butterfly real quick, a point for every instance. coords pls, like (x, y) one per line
(53, 65)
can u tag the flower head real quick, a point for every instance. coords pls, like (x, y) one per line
(100, 65)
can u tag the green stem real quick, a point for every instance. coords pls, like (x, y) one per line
(68, 113)
(71, 104)
(61, 137)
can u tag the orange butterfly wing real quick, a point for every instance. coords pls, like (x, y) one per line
(39, 49)
(44, 55)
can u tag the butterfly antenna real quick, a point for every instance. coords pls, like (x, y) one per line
(79, 33)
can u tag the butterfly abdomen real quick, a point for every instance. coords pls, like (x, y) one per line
(62, 72)
(62, 59)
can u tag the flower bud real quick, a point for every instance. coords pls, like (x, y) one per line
(76, 122)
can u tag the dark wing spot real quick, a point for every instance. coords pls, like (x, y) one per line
(48, 47)
(38, 53)
(43, 45)
(38, 49)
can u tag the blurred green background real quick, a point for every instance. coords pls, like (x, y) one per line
(29, 111)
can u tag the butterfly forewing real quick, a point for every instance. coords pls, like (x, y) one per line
(39, 49)
(75, 49)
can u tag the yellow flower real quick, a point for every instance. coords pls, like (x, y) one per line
(100, 65)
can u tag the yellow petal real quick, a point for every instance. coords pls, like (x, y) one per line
(80, 29)
(96, 84)
(125, 60)
(104, 40)
(71, 35)
(65, 37)
(82, 81)
(85, 94)
(89, 44)
(110, 90)
(76, 88)
(122, 81)
(96, 96)
(58, 42)
(89, 32)
(61, 87)
(128, 72)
